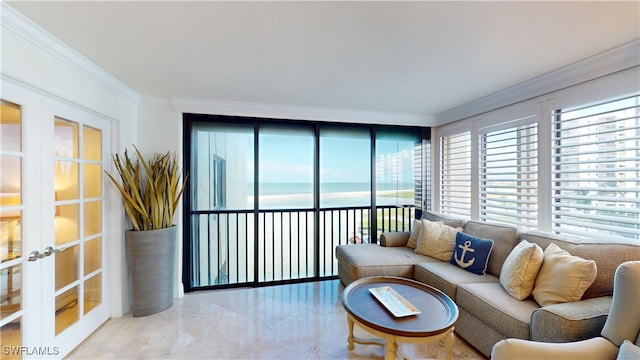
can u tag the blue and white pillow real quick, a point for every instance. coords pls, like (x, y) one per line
(472, 253)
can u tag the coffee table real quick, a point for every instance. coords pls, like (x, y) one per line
(435, 321)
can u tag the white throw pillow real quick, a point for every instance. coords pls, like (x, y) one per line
(562, 277)
(520, 269)
(415, 234)
(437, 240)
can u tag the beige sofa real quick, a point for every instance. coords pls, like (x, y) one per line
(488, 313)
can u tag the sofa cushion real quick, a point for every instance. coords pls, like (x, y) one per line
(493, 306)
(472, 253)
(437, 240)
(566, 322)
(447, 220)
(505, 238)
(606, 255)
(446, 277)
(562, 277)
(365, 260)
(520, 269)
(416, 230)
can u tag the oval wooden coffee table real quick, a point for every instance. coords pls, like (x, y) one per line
(435, 321)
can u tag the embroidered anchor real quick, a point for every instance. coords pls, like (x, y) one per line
(465, 248)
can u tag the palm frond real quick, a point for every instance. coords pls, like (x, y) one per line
(151, 188)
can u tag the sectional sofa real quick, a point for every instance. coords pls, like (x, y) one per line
(488, 313)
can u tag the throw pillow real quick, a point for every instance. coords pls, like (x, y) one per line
(472, 253)
(436, 240)
(519, 270)
(562, 277)
(628, 351)
(415, 234)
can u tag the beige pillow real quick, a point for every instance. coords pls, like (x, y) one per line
(519, 270)
(562, 277)
(437, 240)
(415, 234)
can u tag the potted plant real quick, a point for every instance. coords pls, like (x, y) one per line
(151, 189)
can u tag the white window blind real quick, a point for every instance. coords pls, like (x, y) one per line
(508, 186)
(596, 170)
(455, 175)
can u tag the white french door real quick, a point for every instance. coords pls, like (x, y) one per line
(52, 269)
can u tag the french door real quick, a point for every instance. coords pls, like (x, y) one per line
(52, 269)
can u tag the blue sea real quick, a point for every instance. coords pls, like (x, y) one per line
(300, 195)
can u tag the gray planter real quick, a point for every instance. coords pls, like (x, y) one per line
(151, 260)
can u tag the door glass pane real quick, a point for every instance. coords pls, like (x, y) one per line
(10, 290)
(222, 167)
(66, 267)
(11, 339)
(10, 230)
(66, 180)
(398, 163)
(92, 256)
(67, 312)
(92, 144)
(10, 127)
(92, 218)
(286, 167)
(92, 293)
(66, 138)
(67, 218)
(92, 180)
(345, 167)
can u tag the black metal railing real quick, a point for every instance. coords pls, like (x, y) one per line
(243, 246)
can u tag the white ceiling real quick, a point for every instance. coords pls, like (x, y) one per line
(408, 58)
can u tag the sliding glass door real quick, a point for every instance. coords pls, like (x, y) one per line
(270, 200)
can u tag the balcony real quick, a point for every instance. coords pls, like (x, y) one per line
(246, 247)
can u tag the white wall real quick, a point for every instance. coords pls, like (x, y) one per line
(33, 59)
(160, 130)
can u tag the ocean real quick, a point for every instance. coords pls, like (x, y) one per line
(300, 195)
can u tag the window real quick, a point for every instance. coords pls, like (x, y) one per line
(455, 174)
(508, 184)
(596, 169)
(398, 168)
(345, 166)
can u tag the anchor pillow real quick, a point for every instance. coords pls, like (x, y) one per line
(472, 253)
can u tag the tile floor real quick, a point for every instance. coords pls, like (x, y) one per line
(301, 321)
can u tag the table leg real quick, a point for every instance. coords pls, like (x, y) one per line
(391, 347)
(350, 338)
(448, 343)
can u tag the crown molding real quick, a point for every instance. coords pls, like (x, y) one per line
(605, 63)
(13, 20)
(234, 108)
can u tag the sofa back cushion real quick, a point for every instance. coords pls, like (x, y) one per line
(606, 255)
(447, 220)
(505, 238)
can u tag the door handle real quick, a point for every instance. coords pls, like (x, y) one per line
(48, 251)
(35, 255)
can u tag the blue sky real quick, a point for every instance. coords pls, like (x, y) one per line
(289, 158)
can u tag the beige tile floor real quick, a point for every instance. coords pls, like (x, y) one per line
(301, 321)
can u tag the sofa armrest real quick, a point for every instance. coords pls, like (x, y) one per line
(595, 348)
(394, 238)
(570, 321)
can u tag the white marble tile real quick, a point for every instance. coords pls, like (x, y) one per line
(300, 321)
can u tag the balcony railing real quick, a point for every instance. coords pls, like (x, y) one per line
(234, 247)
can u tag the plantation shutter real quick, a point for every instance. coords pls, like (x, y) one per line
(596, 170)
(508, 173)
(455, 174)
